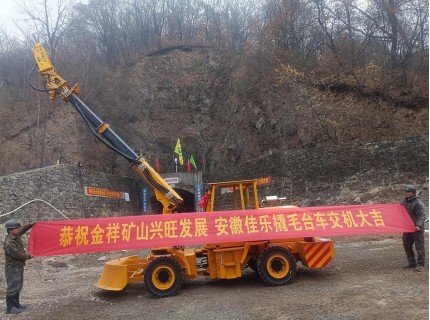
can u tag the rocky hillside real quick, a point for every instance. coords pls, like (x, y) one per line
(227, 110)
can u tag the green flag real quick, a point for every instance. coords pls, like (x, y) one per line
(193, 162)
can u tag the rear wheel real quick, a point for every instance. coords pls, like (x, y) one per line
(276, 266)
(163, 276)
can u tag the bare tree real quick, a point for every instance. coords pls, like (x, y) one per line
(291, 26)
(157, 13)
(102, 21)
(142, 31)
(45, 21)
(238, 15)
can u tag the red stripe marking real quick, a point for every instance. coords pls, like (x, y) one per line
(328, 258)
(327, 262)
(321, 247)
(327, 250)
(309, 247)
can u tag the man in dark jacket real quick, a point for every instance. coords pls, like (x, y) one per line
(415, 208)
(14, 266)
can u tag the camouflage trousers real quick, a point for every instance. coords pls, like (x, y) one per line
(14, 280)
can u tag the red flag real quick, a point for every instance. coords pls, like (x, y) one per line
(157, 164)
(188, 166)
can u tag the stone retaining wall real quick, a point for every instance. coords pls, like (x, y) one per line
(63, 187)
(339, 173)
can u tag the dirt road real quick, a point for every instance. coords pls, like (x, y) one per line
(365, 281)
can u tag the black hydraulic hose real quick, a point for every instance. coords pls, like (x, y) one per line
(31, 85)
(76, 105)
(145, 172)
(108, 134)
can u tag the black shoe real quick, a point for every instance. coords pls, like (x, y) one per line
(13, 310)
(410, 266)
(10, 306)
(17, 304)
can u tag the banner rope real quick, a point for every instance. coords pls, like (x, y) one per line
(34, 200)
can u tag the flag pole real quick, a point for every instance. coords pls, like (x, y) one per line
(176, 164)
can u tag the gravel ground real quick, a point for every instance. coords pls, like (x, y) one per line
(365, 281)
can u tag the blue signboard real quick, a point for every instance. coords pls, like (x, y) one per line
(198, 195)
(145, 201)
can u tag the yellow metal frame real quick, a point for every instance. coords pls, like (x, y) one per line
(241, 187)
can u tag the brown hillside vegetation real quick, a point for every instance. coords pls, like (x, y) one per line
(225, 109)
(231, 79)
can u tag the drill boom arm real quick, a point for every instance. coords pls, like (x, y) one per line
(57, 87)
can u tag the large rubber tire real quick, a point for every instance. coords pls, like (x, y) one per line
(163, 277)
(276, 266)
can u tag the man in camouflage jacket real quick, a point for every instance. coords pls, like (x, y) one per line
(15, 257)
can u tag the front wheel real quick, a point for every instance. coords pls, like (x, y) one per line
(276, 266)
(163, 276)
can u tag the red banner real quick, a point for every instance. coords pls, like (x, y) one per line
(151, 231)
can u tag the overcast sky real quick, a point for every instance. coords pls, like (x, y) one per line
(8, 12)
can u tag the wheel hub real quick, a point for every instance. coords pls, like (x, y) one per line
(278, 266)
(163, 276)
